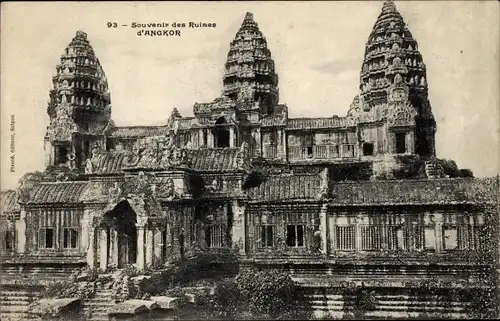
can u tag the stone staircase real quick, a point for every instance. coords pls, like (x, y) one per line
(431, 169)
(14, 304)
(97, 307)
(337, 306)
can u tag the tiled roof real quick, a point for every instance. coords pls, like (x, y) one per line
(273, 120)
(60, 192)
(9, 202)
(139, 131)
(431, 191)
(212, 159)
(186, 123)
(287, 187)
(109, 162)
(316, 123)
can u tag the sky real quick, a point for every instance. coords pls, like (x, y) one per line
(317, 47)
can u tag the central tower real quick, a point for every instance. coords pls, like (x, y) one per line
(249, 69)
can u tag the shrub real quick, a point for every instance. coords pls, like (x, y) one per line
(215, 265)
(254, 293)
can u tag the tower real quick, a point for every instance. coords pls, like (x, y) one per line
(249, 69)
(79, 108)
(394, 78)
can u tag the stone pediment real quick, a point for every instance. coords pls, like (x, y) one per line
(156, 153)
(401, 113)
(150, 185)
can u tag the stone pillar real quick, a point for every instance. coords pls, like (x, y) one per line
(157, 245)
(438, 231)
(20, 226)
(323, 216)
(149, 248)
(201, 142)
(103, 249)
(210, 138)
(238, 237)
(113, 248)
(359, 246)
(140, 247)
(92, 249)
(231, 137)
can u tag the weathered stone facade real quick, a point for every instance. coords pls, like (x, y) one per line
(241, 175)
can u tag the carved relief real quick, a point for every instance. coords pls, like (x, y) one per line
(242, 157)
(401, 114)
(62, 126)
(156, 152)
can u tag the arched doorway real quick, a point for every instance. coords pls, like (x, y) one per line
(221, 133)
(122, 235)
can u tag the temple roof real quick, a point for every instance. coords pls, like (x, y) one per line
(415, 192)
(139, 131)
(287, 187)
(316, 123)
(9, 202)
(213, 159)
(201, 160)
(60, 192)
(109, 162)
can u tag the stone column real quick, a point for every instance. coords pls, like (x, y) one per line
(323, 216)
(103, 249)
(149, 248)
(238, 237)
(157, 244)
(201, 142)
(113, 248)
(359, 246)
(140, 247)
(92, 249)
(438, 231)
(231, 137)
(210, 138)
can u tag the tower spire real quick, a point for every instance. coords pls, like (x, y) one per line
(249, 69)
(80, 105)
(392, 59)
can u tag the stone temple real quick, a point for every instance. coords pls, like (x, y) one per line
(336, 200)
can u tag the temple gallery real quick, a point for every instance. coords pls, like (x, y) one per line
(332, 199)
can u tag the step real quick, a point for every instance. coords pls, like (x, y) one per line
(14, 308)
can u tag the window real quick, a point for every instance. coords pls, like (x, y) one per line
(266, 236)
(7, 240)
(61, 154)
(400, 143)
(370, 238)
(367, 149)
(46, 238)
(70, 238)
(418, 237)
(334, 151)
(430, 238)
(205, 137)
(295, 235)
(309, 151)
(215, 236)
(347, 150)
(346, 237)
(395, 238)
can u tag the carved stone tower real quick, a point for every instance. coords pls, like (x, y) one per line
(79, 108)
(394, 75)
(250, 75)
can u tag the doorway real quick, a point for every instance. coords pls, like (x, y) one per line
(123, 219)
